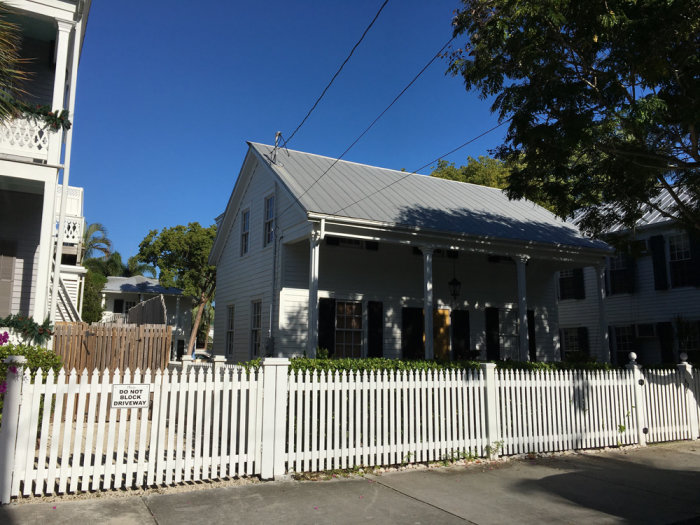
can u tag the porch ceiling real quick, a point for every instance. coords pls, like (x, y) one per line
(22, 185)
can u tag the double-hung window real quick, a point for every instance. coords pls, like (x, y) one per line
(255, 328)
(348, 329)
(269, 227)
(680, 260)
(245, 231)
(230, 311)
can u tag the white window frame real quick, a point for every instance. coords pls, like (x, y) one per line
(245, 231)
(230, 317)
(269, 225)
(679, 247)
(341, 327)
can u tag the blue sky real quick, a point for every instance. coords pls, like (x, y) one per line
(169, 93)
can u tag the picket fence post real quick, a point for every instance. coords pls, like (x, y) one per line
(491, 407)
(639, 401)
(10, 420)
(274, 421)
(685, 370)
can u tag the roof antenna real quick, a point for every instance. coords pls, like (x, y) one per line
(278, 136)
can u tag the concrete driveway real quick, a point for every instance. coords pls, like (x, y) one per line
(657, 484)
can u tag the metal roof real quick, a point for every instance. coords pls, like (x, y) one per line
(652, 216)
(137, 284)
(367, 192)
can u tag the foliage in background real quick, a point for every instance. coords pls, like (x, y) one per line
(601, 100)
(181, 253)
(95, 240)
(28, 329)
(12, 75)
(113, 266)
(92, 297)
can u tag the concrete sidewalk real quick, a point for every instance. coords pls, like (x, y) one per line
(657, 484)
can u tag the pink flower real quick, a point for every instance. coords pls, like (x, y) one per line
(4, 338)
(12, 369)
(3, 387)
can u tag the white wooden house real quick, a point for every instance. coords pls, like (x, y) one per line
(41, 218)
(120, 294)
(652, 296)
(311, 253)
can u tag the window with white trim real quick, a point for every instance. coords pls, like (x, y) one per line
(680, 260)
(269, 226)
(255, 328)
(230, 312)
(245, 231)
(624, 343)
(348, 329)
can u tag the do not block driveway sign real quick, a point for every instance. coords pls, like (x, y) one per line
(131, 395)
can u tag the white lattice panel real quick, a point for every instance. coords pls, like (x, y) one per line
(25, 137)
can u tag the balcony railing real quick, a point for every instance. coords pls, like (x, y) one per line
(75, 222)
(26, 137)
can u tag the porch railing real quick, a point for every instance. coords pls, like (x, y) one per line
(26, 137)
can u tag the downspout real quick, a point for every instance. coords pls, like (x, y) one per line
(276, 240)
(66, 168)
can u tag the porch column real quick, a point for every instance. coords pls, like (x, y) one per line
(176, 321)
(46, 239)
(315, 245)
(59, 86)
(428, 300)
(604, 350)
(523, 339)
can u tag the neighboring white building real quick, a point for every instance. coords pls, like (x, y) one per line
(311, 253)
(32, 156)
(120, 294)
(652, 297)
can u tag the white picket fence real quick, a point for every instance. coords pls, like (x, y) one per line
(61, 434)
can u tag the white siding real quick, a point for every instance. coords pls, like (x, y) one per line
(242, 279)
(20, 221)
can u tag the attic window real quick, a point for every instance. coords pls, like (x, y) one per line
(245, 231)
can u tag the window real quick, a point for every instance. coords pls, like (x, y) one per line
(348, 329)
(571, 284)
(255, 328)
(229, 329)
(624, 343)
(269, 229)
(245, 231)
(118, 306)
(621, 274)
(574, 343)
(688, 339)
(128, 305)
(680, 260)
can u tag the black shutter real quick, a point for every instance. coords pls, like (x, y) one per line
(531, 335)
(460, 334)
(412, 333)
(579, 286)
(326, 325)
(664, 332)
(658, 258)
(694, 267)
(611, 344)
(493, 344)
(562, 348)
(375, 329)
(583, 344)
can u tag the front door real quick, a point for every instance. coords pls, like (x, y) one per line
(441, 334)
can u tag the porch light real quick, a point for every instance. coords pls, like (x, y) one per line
(455, 287)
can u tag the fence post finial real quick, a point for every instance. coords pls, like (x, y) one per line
(639, 401)
(10, 420)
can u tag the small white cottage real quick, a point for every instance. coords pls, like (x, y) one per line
(317, 253)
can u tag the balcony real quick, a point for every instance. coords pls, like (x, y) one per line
(74, 224)
(27, 137)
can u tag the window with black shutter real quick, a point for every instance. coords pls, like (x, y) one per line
(326, 324)
(531, 335)
(679, 260)
(571, 284)
(460, 335)
(621, 272)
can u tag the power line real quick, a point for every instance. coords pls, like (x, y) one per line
(424, 166)
(336, 73)
(359, 137)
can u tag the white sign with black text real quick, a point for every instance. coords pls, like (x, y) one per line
(131, 396)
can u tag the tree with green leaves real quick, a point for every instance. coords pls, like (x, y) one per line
(113, 266)
(95, 240)
(601, 98)
(485, 171)
(181, 254)
(92, 297)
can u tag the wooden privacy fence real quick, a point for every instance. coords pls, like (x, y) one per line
(152, 311)
(65, 434)
(111, 346)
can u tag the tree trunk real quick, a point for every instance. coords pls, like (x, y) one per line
(195, 326)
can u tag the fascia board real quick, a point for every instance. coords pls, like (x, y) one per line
(51, 8)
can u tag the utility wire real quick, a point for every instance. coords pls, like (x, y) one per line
(424, 166)
(359, 137)
(336, 73)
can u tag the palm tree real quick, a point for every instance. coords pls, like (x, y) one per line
(11, 75)
(135, 267)
(95, 240)
(113, 266)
